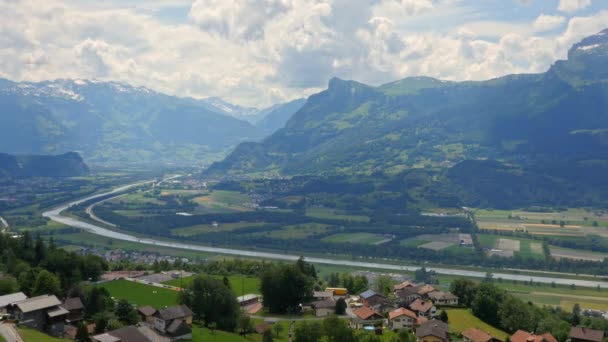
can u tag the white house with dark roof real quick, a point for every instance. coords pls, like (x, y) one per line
(174, 321)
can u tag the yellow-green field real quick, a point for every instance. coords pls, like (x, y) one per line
(296, 231)
(360, 238)
(460, 320)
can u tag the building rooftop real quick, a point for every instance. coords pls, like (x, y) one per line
(582, 333)
(477, 335)
(12, 298)
(247, 297)
(56, 312)
(440, 295)
(433, 328)
(421, 305)
(368, 294)
(324, 304)
(147, 310)
(366, 313)
(178, 311)
(523, 336)
(401, 312)
(37, 303)
(71, 304)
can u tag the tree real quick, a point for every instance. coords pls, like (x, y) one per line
(101, 322)
(82, 333)
(114, 324)
(212, 302)
(486, 303)
(308, 332)
(46, 283)
(226, 282)
(384, 284)
(464, 289)
(285, 287)
(8, 285)
(443, 316)
(515, 314)
(337, 330)
(403, 335)
(421, 275)
(245, 324)
(97, 300)
(277, 328)
(125, 313)
(360, 284)
(340, 306)
(556, 326)
(576, 309)
(267, 337)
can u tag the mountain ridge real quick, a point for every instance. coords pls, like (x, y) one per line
(423, 122)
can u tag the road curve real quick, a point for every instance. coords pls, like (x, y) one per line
(55, 215)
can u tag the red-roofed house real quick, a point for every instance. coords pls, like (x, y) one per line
(476, 335)
(402, 318)
(523, 336)
(365, 316)
(424, 308)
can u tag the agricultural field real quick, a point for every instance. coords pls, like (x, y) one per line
(222, 202)
(206, 228)
(140, 294)
(462, 319)
(559, 252)
(437, 242)
(359, 238)
(510, 246)
(335, 214)
(240, 285)
(296, 231)
(572, 222)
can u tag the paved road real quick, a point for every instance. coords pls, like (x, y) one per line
(9, 333)
(55, 215)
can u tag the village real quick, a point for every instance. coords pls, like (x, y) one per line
(416, 308)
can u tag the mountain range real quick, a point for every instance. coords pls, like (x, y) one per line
(114, 123)
(528, 120)
(65, 165)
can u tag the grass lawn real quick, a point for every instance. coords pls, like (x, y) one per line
(362, 238)
(206, 228)
(329, 213)
(2, 339)
(204, 334)
(296, 231)
(413, 242)
(462, 319)
(140, 294)
(222, 202)
(34, 335)
(238, 283)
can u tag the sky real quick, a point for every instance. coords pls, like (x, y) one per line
(262, 52)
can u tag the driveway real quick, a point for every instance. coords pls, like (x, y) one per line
(9, 333)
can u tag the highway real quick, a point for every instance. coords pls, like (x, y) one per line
(55, 215)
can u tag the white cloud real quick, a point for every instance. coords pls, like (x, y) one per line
(257, 55)
(546, 22)
(570, 6)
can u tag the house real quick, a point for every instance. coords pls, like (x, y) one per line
(424, 308)
(9, 299)
(443, 298)
(75, 308)
(42, 313)
(321, 295)
(402, 318)
(248, 299)
(424, 290)
(582, 334)
(523, 336)
(173, 321)
(338, 291)
(476, 335)
(365, 316)
(408, 294)
(146, 313)
(126, 334)
(403, 285)
(372, 299)
(323, 308)
(432, 331)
